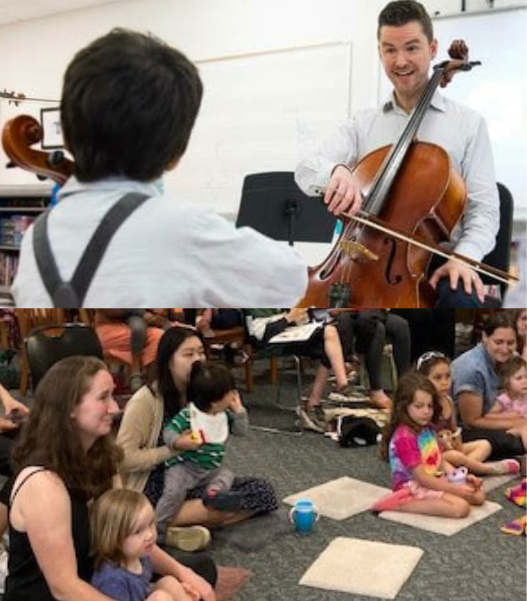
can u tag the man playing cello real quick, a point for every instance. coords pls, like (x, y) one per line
(406, 47)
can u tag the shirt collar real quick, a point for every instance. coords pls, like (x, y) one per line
(438, 102)
(110, 184)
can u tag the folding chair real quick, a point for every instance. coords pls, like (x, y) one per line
(48, 344)
(276, 353)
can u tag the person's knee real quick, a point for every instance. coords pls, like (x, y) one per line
(330, 334)
(460, 508)
(479, 498)
(160, 595)
(455, 298)
(486, 447)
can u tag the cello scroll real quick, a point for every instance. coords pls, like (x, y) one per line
(18, 137)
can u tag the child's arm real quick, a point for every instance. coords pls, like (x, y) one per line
(457, 443)
(165, 565)
(496, 408)
(178, 591)
(238, 418)
(178, 434)
(465, 491)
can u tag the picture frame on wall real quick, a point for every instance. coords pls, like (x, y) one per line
(52, 137)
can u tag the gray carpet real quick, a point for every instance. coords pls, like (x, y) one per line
(479, 563)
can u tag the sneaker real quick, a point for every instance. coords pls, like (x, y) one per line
(506, 466)
(313, 418)
(224, 500)
(187, 538)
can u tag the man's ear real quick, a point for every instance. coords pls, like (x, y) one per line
(434, 46)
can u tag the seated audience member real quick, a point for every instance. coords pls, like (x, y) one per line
(331, 343)
(65, 457)
(132, 336)
(472, 455)
(14, 414)
(512, 401)
(200, 431)
(121, 90)
(123, 532)
(374, 328)
(223, 319)
(476, 384)
(146, 454)
(422, 481)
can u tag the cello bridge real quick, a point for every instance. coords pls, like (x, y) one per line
(356, 249)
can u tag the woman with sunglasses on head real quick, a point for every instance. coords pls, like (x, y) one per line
(476, 384)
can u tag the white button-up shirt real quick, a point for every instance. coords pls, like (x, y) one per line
(166, 254)
(459, 130)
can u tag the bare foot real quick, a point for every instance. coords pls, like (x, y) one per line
(380, 399)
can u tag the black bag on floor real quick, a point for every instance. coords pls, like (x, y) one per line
(357, 431)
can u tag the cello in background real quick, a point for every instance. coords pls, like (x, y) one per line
(18, 137)
(412, 200)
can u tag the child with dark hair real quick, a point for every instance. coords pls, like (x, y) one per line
(128, 107)
(472, 454)
(200, 430)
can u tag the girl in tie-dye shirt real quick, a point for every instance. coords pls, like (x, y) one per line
(410, 445)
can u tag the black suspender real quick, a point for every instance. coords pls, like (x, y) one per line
(70, 295)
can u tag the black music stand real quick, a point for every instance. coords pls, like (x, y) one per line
(275, 206)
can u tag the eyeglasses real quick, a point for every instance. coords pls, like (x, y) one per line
(428, 356)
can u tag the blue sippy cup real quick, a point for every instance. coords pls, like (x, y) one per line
(304, 515)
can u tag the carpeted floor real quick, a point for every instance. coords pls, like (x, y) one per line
(478, 563)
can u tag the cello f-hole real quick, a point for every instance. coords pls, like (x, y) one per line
(391, 278)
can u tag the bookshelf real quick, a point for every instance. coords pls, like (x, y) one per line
(19, 207)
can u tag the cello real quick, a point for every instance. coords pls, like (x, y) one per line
(18, 137)
(412, 200)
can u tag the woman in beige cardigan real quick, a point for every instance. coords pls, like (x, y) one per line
(145, 453)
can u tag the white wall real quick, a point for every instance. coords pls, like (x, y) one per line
(35, 53)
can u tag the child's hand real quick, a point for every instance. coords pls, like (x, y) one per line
(476, 482)
(6, 425)
(191, 592)
(466, 491)
(236, 402)
(188, 441)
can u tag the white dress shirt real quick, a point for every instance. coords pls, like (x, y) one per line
(459, 130)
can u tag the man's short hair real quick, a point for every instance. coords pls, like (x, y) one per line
(129, 103)
(402, 12)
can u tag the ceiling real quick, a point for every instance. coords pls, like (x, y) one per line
(21, 10)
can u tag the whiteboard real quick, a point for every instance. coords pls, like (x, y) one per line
(8, 110)
(497, 89)
(260, 112)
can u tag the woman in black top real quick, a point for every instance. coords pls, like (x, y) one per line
(65, 458)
